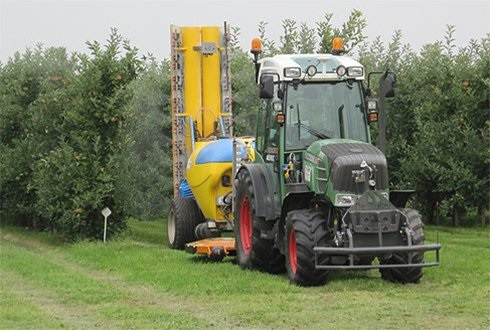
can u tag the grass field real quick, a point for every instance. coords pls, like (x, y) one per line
(137, 282)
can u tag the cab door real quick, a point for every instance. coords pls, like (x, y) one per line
(272, 133)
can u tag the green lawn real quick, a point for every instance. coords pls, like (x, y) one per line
(137, 282)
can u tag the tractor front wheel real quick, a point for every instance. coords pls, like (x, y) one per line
(406, 275)
(253, 251)
(305, 229)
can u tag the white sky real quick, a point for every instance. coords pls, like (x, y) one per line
(70, 23)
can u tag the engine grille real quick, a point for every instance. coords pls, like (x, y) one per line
(343, 158)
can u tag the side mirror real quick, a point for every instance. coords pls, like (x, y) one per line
(387, 84)
(266, 87)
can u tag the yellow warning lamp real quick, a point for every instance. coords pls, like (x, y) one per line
(256, 46)
(337, 46)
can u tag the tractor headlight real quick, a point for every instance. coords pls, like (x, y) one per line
(355, 71)
(343, 200)
(292, 72)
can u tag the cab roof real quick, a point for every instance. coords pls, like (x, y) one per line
(326, 65)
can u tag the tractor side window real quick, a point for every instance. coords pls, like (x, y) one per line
(272, 129)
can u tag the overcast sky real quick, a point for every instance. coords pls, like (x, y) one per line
(146, 23)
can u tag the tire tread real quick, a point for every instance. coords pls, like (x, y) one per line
(407, 275)
(264, 255)
(310, 231)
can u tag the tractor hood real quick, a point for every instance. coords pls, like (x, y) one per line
(334, 162)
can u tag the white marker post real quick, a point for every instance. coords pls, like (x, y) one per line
(106, 212)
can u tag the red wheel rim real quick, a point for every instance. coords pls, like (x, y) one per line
(292, 251)
(245, 225)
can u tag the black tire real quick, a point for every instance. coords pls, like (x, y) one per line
(183, 217)
(365, 261)
(253, 252)
(305, 229)
(407, 275)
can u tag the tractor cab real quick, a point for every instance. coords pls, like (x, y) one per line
(321, 104)
(310, 100)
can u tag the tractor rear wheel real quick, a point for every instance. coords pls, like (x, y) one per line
(406, 275)
(253, 251)
(305, 229)
(183, 217)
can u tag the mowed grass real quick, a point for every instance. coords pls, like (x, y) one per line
(135, 281)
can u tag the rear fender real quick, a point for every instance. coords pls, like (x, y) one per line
(399, 198)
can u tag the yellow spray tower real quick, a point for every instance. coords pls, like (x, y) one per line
(202, 135)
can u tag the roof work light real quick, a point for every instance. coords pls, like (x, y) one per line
(341, 70)
(311, 70)
(292, 72)
(355, 71)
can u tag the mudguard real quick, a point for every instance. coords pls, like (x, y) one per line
(399, 198)
(268, 204)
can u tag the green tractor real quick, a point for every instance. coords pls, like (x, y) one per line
(316, 198)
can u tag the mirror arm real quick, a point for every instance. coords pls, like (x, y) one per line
(256, 65)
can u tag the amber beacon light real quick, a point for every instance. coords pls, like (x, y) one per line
(337, 46)
(256, 46)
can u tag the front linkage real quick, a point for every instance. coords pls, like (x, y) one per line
(373, 227)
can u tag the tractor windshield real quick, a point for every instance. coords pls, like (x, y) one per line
(326, 110)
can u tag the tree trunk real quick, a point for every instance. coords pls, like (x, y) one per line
(430, 212)
(455, 216)
(481, 215)
(437, 213)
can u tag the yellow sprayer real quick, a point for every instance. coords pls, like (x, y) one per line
(202, 140)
